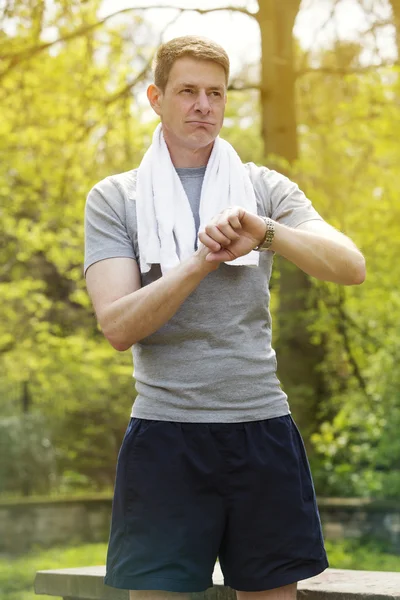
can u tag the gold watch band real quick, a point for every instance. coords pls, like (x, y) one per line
(269, 235)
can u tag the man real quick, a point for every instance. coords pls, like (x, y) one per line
(212, 464)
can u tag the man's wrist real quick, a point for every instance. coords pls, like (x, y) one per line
(199, 262)
(265, 243)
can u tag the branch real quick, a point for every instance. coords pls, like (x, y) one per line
(127, 88)
(18, 57)
(343, 330)
(86, 129)
(325, 23)
(377, 25)
(201, 11)
(341, 71)
(365, 333)
(143, 73)
(239, 87)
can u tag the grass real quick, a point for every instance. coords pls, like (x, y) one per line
(17, 573)
(368, 555)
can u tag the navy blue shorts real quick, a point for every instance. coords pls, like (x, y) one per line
(189, 493)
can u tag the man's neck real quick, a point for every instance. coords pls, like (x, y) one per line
(189, 164)
(185, 158)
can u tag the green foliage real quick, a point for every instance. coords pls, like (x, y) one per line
(17, 574)
(27, 457)
(363, 555)
(349, 167)
(65, 125)
(242, 125)
(73, 114)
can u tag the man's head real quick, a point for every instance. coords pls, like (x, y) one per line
(195, 47)
(189, 91)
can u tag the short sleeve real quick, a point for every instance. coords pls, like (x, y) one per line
(288, 204)
(106, 234)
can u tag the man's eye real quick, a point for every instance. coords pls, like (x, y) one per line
(217, 93)
(187, 91)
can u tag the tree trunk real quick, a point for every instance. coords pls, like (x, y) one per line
(395, 4)
(297, 357)
(26, 401)
(276, 20)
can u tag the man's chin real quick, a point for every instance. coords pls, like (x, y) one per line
(201, 139)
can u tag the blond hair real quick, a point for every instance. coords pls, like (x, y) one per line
(189, 45)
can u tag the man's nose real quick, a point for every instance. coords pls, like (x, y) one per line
(203, 103)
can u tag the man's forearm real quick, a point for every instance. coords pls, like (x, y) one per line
(139, 314)
(337, 260)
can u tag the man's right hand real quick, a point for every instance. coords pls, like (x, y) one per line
(201, 254)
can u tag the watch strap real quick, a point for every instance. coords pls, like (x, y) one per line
(269, 235)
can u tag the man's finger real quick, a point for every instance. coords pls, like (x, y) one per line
(222, 255)
(234, 221)
(208, 241)
(226, 228)
(221, 235)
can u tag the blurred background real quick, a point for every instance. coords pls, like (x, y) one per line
(315, 94)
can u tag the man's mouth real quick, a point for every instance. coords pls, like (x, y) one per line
(200, 123)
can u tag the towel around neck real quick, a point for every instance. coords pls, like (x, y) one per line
(165, 222)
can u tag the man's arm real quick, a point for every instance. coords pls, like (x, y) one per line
(314, 246)
(127, 312)
(321, 251)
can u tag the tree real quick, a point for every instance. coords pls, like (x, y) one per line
(349, 159)
(63, 114)
(72, 113)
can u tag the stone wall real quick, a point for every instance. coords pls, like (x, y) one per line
(355, 517)
(31, 522)
(28, 523)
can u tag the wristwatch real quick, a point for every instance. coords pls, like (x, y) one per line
(269, 235)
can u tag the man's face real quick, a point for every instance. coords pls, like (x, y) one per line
(192, 105)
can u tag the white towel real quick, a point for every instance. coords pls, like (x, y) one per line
(165, 222)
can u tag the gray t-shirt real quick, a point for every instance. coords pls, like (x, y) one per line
(192, 182)
(213, 360)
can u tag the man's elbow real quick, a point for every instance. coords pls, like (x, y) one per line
(116, 338)
(120, 345)
(359, 271)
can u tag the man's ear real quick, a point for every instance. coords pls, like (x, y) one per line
(154, 95)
